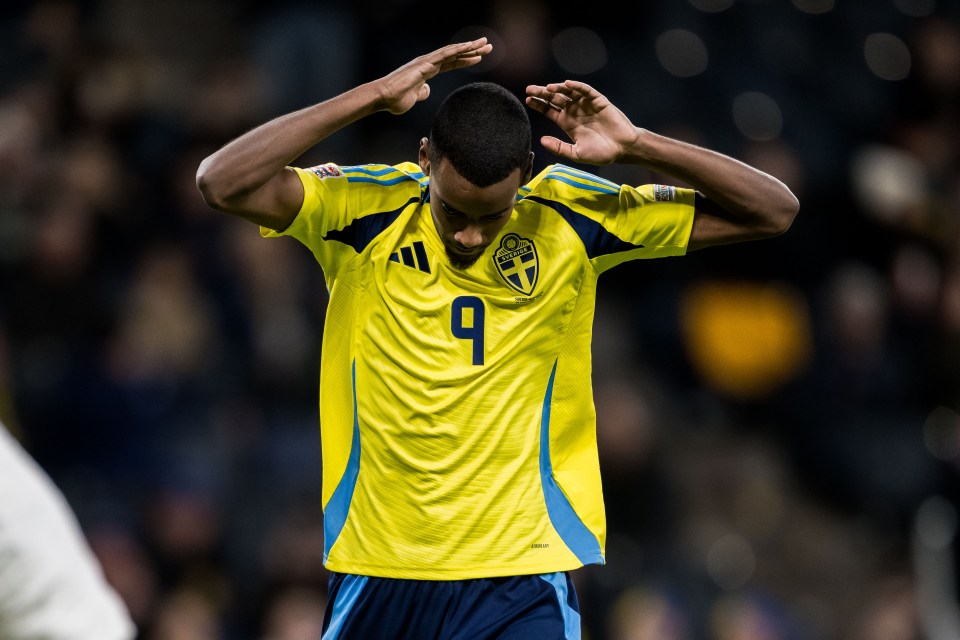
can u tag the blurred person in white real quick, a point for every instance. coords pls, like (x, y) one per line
(51, 584)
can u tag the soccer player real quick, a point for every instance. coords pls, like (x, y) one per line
(460, 469)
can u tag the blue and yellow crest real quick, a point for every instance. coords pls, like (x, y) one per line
(517, 261)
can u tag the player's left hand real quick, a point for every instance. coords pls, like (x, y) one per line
(599, 132)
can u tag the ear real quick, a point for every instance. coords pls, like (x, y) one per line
(528, 171)
(423, 157)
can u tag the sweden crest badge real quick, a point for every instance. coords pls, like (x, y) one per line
(517, 262)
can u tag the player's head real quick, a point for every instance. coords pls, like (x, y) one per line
(483, 130)
(477, 156)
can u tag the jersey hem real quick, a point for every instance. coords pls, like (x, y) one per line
(433, 573)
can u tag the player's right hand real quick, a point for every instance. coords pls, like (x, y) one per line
(403, 88)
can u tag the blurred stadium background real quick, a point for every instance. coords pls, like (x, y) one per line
(779, 422)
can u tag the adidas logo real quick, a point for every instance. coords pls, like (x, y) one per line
(414, 256)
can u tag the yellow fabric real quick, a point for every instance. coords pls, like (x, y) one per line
(448, 479)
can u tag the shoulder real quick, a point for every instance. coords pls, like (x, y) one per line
(357, 190)
(364, 174)
(566, 182)
(340, 199)
(407, 173)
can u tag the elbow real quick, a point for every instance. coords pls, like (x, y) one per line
(206, 185)
(212, 190)
(780, 217)
(788, 212)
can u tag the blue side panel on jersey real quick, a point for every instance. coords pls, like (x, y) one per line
(347, 596)
(361, 231)
(335, 513)
(564, 519)
(596, 240)
(571, 617)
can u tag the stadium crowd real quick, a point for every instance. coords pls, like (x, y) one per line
(779, 422)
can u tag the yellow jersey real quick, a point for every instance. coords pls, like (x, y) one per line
(456, 409)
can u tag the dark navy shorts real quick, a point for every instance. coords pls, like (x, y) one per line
(520, 607)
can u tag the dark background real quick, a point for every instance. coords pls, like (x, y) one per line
(779, 421)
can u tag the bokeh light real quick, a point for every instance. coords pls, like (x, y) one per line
(814, 6)
(941, 433)
(712, 6)
(731, 562)
(916, 8)
(757, 116)
(579, 50)
(936, 523)
(682, 53)
(887, 56)
(889, 182)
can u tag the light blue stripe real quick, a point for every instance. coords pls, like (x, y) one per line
(573, 171)
(571, 617)
(335, 514)
(584, 176)
(562, 168)
(350, 590)
(368, 170)
(580, 185)
(564, 519)
(380, 181)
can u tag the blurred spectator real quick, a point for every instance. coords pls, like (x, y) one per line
(645, 614)
(186, 614)
(295, 614)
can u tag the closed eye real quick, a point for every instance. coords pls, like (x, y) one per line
(453, 213)
(450, 211)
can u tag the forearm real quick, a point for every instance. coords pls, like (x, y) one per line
(246, 164)
(739, 202)
(744, 192)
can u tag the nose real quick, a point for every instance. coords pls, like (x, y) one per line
(470, 236)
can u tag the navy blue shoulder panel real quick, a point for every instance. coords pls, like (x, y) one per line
(596, 240)
(361, 231)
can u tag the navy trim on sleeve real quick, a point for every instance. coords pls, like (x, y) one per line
(596, 240)
(361, 231)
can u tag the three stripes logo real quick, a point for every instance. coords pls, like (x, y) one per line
(412, 256)
(517, 261)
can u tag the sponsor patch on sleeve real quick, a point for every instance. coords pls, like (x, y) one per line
(664, 193)
(329, 170)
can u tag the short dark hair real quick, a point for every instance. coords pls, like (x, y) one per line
(484, 131)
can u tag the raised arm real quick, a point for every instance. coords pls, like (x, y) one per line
(250, 178)
(735, 201)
